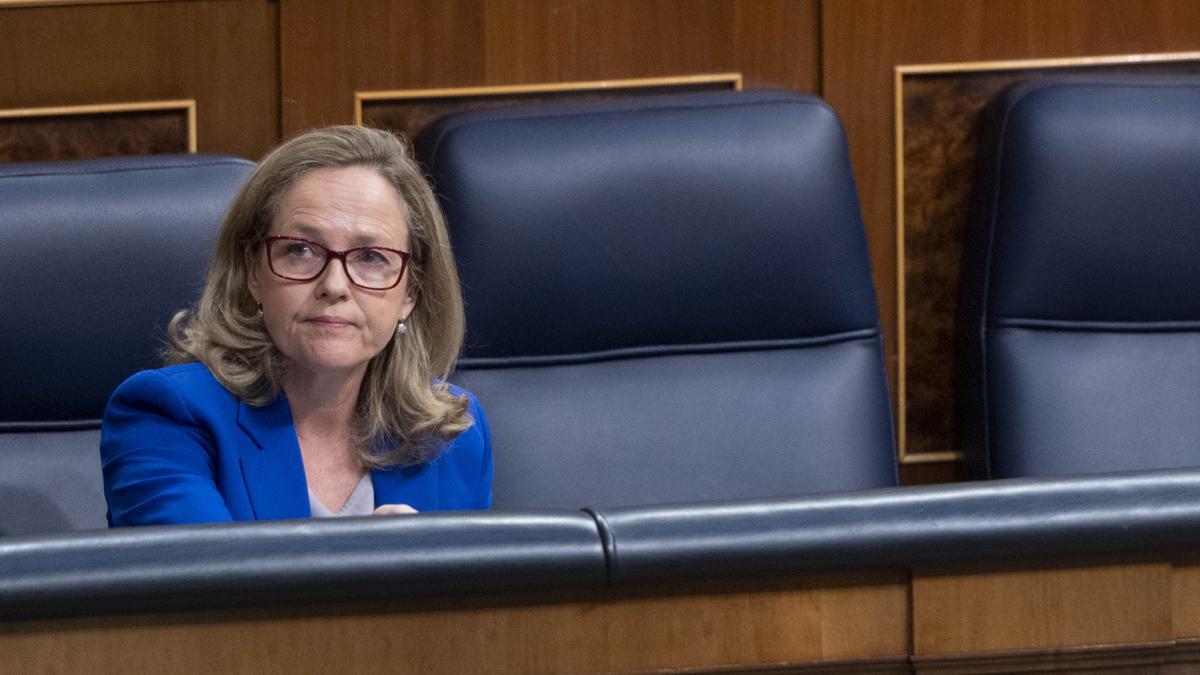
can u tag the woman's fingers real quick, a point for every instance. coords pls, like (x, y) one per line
(394, 510)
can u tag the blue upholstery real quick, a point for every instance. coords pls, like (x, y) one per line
(98, 254)
(1081, 293)
(668, 299)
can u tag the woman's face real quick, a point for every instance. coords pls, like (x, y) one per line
(328, 325)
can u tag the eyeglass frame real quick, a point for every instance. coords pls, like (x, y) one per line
(405, 256)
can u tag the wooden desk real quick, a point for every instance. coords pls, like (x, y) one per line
(1142, 617)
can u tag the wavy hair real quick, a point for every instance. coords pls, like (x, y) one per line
(405, 411)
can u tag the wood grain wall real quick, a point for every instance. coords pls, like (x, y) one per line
(221, 53)
(328, 52)
(262, 70)
(864, 40)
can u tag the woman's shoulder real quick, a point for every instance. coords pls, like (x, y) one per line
(457, 391)
(189, 381)
(478, 432)
(466, 460)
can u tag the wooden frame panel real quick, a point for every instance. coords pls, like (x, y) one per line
(1042, 608)
(931, 214)
(838, 620)
(51, 3)
(413, 109)
(187, 107)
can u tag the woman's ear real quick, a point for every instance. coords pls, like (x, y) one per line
(252, 282)
(407, 306)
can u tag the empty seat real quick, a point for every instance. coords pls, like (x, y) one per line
(668, 299)
(1081, 287)
(98, 254)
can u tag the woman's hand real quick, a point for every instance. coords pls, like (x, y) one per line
(394, 510)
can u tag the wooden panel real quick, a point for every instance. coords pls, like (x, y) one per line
(1186, 601)
(864, 40)
(1031, 609)
(330, 52)
(44, 3)
(1149, 659)
(1113, 618)
(83, 132)
(220, 53)
(779, 626)
(938, 109)
(410, 111)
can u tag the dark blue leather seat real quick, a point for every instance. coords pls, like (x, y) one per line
(97, 256)
(668, 299)
(1081, 293)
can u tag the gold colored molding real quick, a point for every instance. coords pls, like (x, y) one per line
(900, 72)
(188, 106)
(5, 4)
(1044, 64)
(734, 79)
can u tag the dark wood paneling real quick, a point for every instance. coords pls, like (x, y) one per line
(409, 116)
(222, 53)
(329, 52)
(940, 129)
(58, 137)
(932, 473)
(1039, 608)
(1100, 618)
(811, 621)
(863, 40)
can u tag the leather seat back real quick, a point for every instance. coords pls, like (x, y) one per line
(98, 255)
(1081, 292)
(668, 299)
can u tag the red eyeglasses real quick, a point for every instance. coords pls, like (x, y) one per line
(374, 268)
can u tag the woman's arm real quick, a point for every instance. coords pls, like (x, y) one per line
(483, 496)
(157, 460)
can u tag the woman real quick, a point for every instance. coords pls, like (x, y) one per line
(308, 380)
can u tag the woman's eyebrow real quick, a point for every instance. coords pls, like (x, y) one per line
(356, 239)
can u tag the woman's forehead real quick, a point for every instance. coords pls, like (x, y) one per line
(354, 205)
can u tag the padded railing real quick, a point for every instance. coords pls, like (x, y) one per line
(477, 555)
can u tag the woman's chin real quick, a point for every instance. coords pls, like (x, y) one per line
(337, 363)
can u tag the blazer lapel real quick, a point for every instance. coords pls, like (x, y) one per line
(416, 486)
(272, 467)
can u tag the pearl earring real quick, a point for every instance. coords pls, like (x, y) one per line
(401, 329)
(259, 309)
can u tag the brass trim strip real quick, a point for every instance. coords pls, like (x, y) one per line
(901, 337)
(900, 72)
(1038, 64)
(360, 97)
(188, 106)
(5, 4)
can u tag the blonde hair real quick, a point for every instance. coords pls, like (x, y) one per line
(405, 410)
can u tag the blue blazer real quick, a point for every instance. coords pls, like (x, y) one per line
(177, 447)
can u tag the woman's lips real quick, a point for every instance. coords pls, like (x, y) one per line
(330, 321)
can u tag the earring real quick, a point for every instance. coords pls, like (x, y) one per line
(401, 329)
(259, 310)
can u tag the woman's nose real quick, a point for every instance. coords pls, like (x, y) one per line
(335, 280)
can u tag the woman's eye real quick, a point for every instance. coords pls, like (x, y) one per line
(298, 249)
(371, 256)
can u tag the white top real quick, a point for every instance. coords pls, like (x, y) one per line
(361, 501)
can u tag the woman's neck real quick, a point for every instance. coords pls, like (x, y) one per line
(322, 409)
(322, 403)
